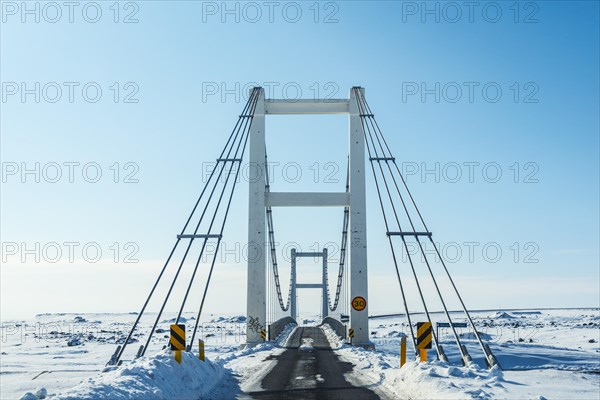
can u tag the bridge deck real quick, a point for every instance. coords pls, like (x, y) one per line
(310, 369)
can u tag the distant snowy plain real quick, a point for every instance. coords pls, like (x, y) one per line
(552, 354)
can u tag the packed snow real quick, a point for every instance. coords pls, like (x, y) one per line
(543, 354)
(157, 377)
(334, 340)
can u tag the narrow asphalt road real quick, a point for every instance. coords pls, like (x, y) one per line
(309, 369)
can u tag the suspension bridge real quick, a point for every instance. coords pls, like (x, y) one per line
(269, 309)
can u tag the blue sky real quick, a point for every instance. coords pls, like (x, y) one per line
(548, 132)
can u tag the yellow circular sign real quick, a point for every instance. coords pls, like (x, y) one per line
(359, 303)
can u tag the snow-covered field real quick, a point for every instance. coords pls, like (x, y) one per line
(550, 354)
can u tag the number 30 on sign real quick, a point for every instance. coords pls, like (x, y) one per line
(359, 303)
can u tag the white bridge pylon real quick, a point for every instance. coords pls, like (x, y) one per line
(354, 199)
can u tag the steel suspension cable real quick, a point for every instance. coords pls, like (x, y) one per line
(256, 93)
(273, 252)
(378, 159)
(489, 356)
(397, 168)
(385, 220)
(161, 274)
(235, 158)
(368, 116)
(343, 246)
(187, 250)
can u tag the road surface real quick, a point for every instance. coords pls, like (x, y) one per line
(310, 369)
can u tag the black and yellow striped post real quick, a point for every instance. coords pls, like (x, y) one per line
(177, 340)
(351, 334)
(263, 334)
(424, 333)
(201, 349)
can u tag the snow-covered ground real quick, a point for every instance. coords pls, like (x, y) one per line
(543, 354)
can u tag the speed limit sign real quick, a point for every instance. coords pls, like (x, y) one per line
(359, 303)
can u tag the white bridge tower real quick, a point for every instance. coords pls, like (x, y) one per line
(354, 198)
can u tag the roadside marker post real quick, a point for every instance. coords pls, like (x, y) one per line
(351, 334)
(402, 351)
(177, 340)
(424, 336)
(201, 349)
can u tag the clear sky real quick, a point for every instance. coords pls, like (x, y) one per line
(468, 90)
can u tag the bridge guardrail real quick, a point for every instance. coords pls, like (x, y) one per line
(275, 328)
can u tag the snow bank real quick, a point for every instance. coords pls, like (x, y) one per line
(283, 340)
(284, 337)
(40, 394)
(159, 377)
(29, 396)
(434, 380)
(334, 340)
